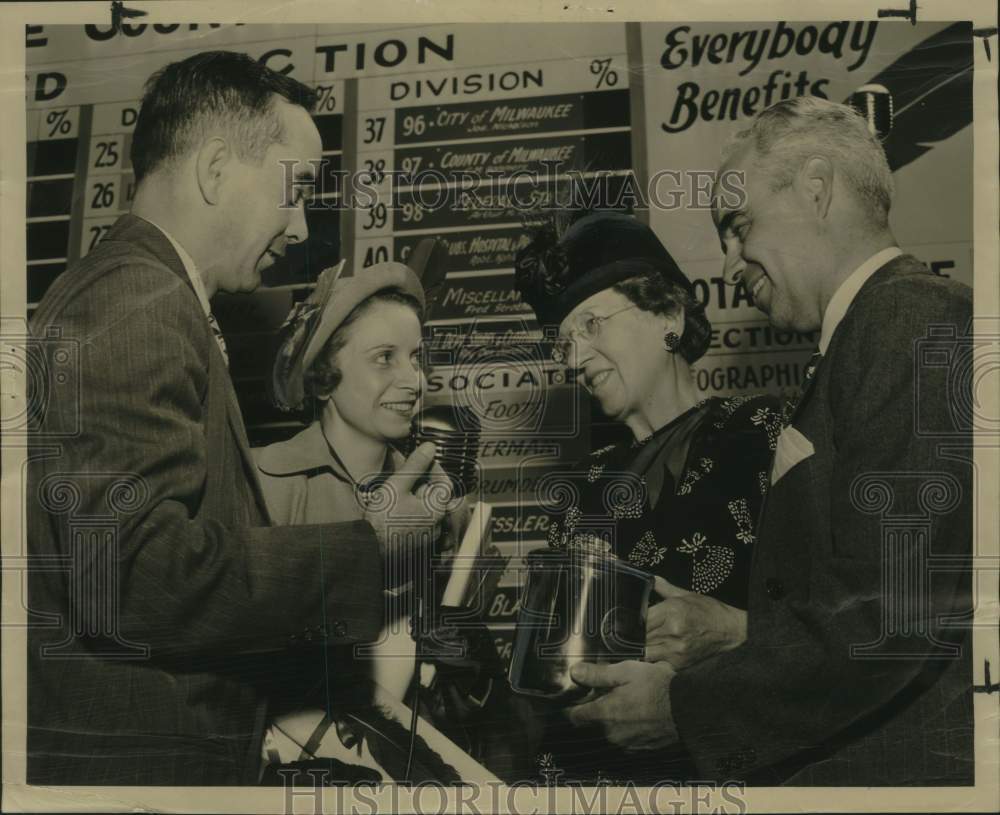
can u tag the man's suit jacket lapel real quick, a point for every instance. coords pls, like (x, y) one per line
(806, 396)
(133, 229)
(893, 266)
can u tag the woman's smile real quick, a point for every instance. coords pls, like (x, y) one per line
(402, 408)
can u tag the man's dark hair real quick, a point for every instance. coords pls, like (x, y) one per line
(213, 90)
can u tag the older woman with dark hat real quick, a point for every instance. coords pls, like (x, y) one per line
(630, 327)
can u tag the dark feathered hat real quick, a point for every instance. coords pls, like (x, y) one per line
(556, 272)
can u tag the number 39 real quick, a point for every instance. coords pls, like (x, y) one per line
(377, 217)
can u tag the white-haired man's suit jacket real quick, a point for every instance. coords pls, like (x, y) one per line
(849, 674)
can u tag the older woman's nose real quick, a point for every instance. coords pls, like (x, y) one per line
(580, 352)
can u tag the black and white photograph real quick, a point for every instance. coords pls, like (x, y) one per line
(525, 407)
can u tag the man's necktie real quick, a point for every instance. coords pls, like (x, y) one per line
(218, 336)
(810, 371)
(808, 375)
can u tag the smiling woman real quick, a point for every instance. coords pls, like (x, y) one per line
(352, 350)
(367, 377)
(679, 500)
(360, 367)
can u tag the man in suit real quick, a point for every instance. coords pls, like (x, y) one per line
(854, 668)
(160, 597)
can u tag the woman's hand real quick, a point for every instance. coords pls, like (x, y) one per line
(407, 510)
(686, 627)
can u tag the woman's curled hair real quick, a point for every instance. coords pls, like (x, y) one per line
(652, 292)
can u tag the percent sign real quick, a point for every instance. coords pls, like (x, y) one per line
(601, 68)
(59, 122)
(327, 102)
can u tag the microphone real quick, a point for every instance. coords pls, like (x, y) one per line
(874, 102)
(455, 430)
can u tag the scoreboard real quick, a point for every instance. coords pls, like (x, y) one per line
(53, 157)
(531, 111)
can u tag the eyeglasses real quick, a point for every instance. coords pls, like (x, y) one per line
(588, 326)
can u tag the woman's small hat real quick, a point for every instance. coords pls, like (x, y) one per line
(313, 321)
(555, 273)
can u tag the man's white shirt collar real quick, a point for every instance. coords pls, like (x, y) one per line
(848, 290)
(189, 268)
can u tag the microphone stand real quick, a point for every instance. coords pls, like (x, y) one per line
(455, 431)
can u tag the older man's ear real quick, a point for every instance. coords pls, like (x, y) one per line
(815, 182)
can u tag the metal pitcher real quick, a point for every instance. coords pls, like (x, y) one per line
(577, 605)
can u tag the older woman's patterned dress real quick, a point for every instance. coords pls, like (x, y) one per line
(698, 534)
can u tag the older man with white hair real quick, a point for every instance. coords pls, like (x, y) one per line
(855, 668)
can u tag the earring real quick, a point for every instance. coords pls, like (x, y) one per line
(671, 340)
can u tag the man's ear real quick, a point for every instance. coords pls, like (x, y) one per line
(815, 183)
(211, 164)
